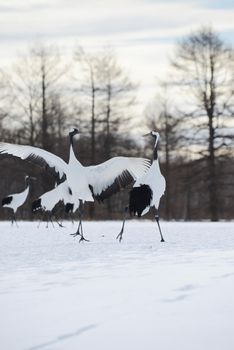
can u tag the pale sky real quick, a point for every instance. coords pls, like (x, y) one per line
(142, 32)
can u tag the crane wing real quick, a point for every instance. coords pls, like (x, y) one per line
(111, 176)
(37, 156)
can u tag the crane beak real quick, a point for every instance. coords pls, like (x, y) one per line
(33, 178)
(149, 133)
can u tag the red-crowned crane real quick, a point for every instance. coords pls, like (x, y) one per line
(48, 200)
(16, 200)
(147, 190)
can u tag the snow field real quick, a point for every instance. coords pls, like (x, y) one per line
(141, 294)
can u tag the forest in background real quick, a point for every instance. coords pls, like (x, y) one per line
(42, 97)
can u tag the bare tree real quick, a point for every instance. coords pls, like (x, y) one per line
(109, 95)
(36, 80)
(6, 100)
(204, 66)
(88, 65)
(117, 98)
(50, 72)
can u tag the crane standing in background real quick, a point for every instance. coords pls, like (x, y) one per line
(14, 201)
(147, 190)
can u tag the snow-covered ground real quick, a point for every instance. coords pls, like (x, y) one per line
(57, 294)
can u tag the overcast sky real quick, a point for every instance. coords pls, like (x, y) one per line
(143, 32)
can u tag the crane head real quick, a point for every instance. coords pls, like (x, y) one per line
(153, 133)
(74, 132)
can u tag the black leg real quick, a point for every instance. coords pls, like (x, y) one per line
(82, 235)
(59, 223)
(14, 220)
(47, 219)
(79, 231)
(50, 218)
(120, 235)
(157, 220)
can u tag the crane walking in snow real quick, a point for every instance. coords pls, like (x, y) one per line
(147, 190)
(14, 201)
(86, 183)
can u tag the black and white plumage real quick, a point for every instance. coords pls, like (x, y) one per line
(16, 200)
(69, 208)
(47, 201)
(140, 199)
(86, 183)
(147, 190)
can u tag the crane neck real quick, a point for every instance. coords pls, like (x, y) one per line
(72, 156)
(26, 191)
(72, 153)
(155, 154)
(71, 138)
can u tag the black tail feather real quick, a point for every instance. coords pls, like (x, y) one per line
(139, 199)
(69, 208)
(7, 200)
(36, 205)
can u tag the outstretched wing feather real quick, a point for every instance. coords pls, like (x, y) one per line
(115, 174)
(38, 156)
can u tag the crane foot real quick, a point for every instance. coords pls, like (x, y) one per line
(120, 236)
(81, 236)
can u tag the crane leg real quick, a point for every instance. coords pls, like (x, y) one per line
(59, 223)
(47, 220)
(50, 218)
(82, 235)
(79, 231)
(157, 220)
(120, 235)
(14, 218)
(53, 215)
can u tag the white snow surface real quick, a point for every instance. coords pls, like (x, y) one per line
(57, 294)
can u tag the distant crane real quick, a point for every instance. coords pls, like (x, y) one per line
(147, 190)
(86, 183)
(14, 201)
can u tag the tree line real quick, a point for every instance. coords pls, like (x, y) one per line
(43, 95)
